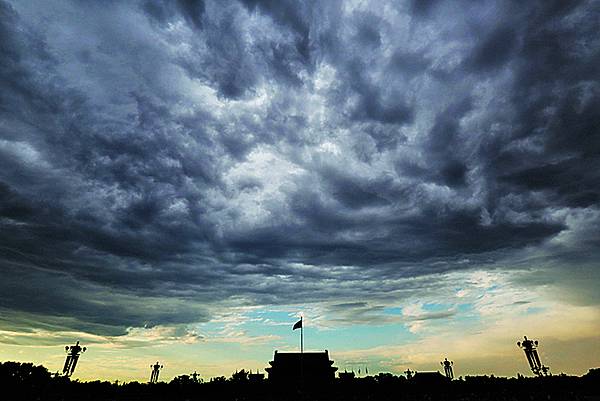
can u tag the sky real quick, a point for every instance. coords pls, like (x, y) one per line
(181, 180)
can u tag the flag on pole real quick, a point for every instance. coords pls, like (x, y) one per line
(297, 325)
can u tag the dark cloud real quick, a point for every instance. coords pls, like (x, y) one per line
(74, 305)
(570, 182)
(290, 14)
(190, 10)
(445, 162)
(161, 160)
(408, 63)
(494, 50)
(373, 102)
(368, 30)
(422, 7)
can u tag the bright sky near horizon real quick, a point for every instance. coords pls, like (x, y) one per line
(180, 180)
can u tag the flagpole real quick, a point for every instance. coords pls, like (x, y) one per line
(301, 353)
(301, 336)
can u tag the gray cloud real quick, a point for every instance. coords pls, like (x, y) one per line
(160, 159)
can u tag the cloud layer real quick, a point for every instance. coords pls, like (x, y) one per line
(164, 160)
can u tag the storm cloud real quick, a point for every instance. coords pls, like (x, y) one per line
(163, 159)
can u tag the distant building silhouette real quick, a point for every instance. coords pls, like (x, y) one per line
(429, 378)
(309, 368)
(256, 377)
(346, 376)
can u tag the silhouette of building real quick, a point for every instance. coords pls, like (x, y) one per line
(429, 378)
(346, 376)
(256, 377)
(308, 368)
